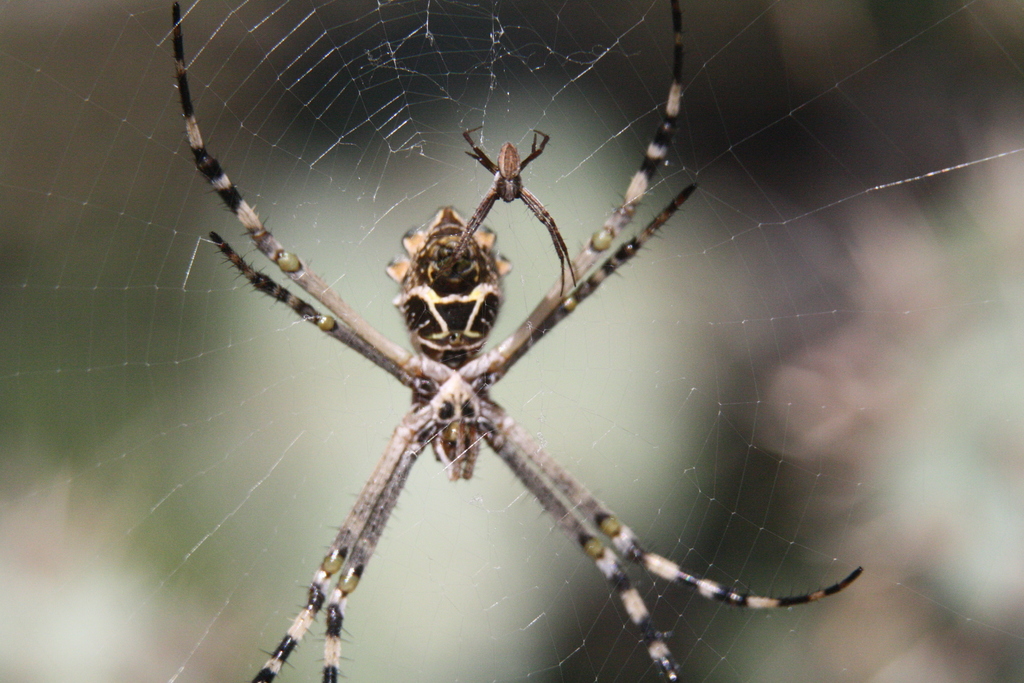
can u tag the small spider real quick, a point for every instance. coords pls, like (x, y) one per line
(450, 294)
(508, 186)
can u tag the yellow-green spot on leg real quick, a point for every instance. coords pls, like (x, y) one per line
(326, 323)
(611, 526)
(332, 563)
(349, 583)
(594, 548)
(570, 304)
(601, 240)
(288, 262)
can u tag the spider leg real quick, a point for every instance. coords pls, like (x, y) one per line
(613, 262)
(366, 544)
(604, 558)
(602, 240)
(475, 221)
(535, 150)
(289, 263)
(478, 153)
(556, 237)
(517, 346)
(354, 545)
(622, 536)
(327, 324)
(482, 209)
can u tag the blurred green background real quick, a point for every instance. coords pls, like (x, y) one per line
(817, 367)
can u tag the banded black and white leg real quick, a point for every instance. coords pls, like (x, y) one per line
(354, 545)
(375, 346)
(602, 240)
(623, 538)
(612, 263)
(604, 558)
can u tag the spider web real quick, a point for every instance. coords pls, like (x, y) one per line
(818, 366)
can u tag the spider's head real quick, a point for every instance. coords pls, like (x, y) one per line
(457, 413)
(449, 308)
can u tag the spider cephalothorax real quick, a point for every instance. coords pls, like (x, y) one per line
(449, 310)
(456, 410)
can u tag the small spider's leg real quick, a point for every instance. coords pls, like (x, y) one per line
(327, 324)
(602, 240)
(624, 253)
(606, 561)
(621, 256)
(484, 208)
(622, 536)
(289, 263)
(478, 153)
(348, 554)
(475, 221)
(544, 217)
(535, 149)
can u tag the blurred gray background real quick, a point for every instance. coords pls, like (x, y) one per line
(817, 367)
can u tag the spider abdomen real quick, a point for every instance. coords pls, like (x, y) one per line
(449, 304)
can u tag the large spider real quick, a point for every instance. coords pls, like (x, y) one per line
(450, 294)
